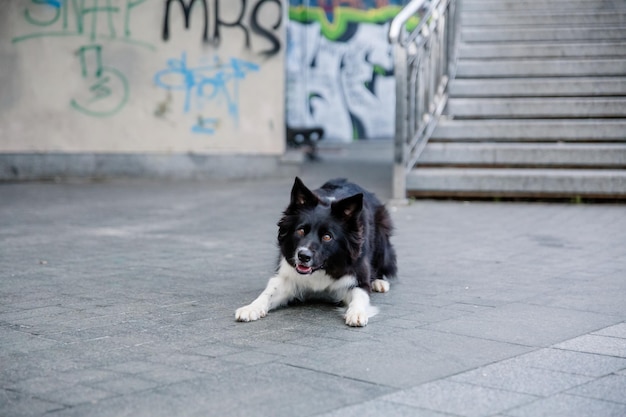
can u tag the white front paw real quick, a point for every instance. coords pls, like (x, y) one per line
(380, 285)
(356, 317)
(250, 313)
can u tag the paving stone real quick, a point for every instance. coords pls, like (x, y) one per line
(19, 404)
(583, 296)
(23, 341)
(563, 405)
(460, 399)
(250, 358)
(23, 316)
(214, 350)
(379, 408)
(526, 324)
(318, 342)
(309, 392)
(90, 375)
(163, 375)
(132, 312)
(619, 330)
(571, 362)
(591, 343)
(212, 366)
(175, 358)
(131, 367)
(141, 404)
(40, 385)
(75, 395)
(405, 358)
(510, 376)
(609, 388)
(124, 385)
(284, 349)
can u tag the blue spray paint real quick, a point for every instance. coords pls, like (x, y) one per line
(217, 83)
(205, 125)
(54, 3)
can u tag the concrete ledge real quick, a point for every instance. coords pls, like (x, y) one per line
(59, 166)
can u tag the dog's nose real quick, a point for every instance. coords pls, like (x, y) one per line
(304, 255)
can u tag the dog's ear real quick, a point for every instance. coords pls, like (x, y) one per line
(349, 207)
(301, 196)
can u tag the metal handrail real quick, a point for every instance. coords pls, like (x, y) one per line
(423, 64)
(397, 24)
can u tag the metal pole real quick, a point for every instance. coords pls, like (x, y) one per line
(400, 139)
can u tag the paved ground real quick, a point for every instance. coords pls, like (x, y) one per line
(118, 299)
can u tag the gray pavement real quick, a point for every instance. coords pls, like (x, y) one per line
(117, 299)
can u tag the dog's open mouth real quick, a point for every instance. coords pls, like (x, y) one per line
(304, 269)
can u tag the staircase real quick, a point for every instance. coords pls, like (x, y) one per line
(537, 108)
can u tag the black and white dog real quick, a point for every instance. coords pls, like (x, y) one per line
(333, 240)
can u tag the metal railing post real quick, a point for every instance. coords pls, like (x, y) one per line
(401, 129)
(423, 60)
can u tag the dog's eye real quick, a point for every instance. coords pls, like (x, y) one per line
(326, 237)
(300, 232)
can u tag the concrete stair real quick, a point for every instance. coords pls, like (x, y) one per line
(537, 108)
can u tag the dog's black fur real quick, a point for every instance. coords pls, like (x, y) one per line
(333, 241)
(340, 228)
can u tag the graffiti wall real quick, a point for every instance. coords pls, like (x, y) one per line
(142, 76)
(340, 67)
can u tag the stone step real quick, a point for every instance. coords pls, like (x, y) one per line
(538, 87)
(516, 182)
(522, 6)
(566, 130)
(545, 107)
(543, 50)
(552, 18)
(541, 67)
(607, 155)
(537, 108)
(499, 34)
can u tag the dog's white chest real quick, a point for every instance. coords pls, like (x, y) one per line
(317, 282)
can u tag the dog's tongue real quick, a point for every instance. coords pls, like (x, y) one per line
(304, 269)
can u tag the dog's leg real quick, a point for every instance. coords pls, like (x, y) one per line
(359, 308)
(278, 291)
(380, 285)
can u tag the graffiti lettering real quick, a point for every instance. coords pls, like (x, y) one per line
(340, 67)
(92, 19)
(337, 16)
(186, 7)
(211, 16)
(237, 23)
(216, 83)
(263, 32)
(345, 83)
(107, 87)
(56, 9)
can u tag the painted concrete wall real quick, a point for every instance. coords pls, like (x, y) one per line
(340, 67)
(142, 76)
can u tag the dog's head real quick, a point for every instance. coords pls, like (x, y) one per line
(320, 233)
